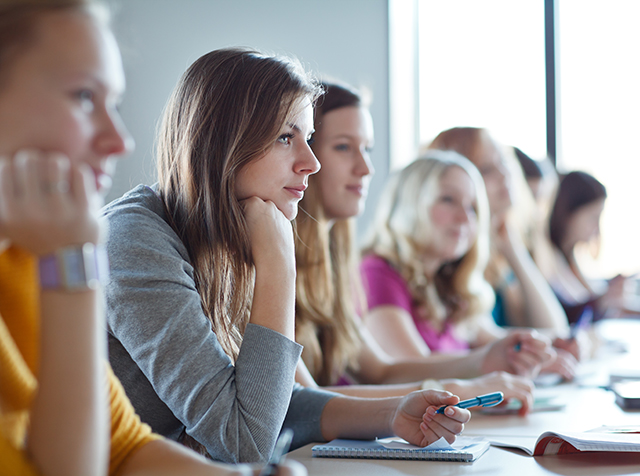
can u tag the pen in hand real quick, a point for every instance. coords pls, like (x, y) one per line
(584, 322)
(278, 455)
(487, 400)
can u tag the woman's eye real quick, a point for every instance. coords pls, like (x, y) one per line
(446, 199)
(342, 147)
(311, 140)
(85, 97)
(285, 139)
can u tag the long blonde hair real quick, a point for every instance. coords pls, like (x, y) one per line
(402, 229)
(226, 111)
(327, 284)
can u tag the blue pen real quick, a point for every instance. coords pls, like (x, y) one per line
(488, 400)
(585, 320)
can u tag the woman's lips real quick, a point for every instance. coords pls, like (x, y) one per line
(357, 189)
(297, 191)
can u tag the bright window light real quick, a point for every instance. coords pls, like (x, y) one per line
(599, 97)
(482, 64)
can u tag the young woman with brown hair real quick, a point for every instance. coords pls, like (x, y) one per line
(202, 291)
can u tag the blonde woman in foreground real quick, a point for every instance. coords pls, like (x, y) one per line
(62, 411)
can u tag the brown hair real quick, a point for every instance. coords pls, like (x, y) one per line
(19, 19)
(226, 111)
(576, 190)
(327, 282)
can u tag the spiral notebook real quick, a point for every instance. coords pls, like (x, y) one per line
(465, 449)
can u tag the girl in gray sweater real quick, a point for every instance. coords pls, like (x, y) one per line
(202, 292)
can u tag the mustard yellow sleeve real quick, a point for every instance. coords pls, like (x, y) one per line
(128, 433)
(13, 461)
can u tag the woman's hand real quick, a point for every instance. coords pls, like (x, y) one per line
(522, 352)
(272, 249)
(47, 203)
(416, 419)
(270, 233)
(512, 386)
(613, 298)
(564, 364)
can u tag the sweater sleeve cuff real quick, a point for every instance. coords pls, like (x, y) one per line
(304, 415)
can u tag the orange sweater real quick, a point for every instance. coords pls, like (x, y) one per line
(19, 347)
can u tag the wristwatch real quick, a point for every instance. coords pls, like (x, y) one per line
(74, 268)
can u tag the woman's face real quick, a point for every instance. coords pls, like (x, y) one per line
(61, 94)
(497, 179)
(281, 176)
(343, 145)
(584, 223)
(453, 216)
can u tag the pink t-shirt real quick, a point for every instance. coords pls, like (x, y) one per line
(383, 285)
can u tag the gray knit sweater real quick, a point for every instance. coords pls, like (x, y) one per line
(170, 362)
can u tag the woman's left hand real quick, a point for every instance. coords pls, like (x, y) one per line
(522, 352)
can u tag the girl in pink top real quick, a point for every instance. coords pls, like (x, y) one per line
(424, 264)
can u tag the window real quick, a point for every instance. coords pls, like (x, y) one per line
(599, 100)
(482, 63)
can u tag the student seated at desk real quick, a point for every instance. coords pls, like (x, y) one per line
(523, 297)
(202, 291)
(337, 348)
(575, 219)
(62, 411)
(424, 260)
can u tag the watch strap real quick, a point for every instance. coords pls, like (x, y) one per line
(74, 268)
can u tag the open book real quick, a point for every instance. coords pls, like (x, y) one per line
(464, 449)
(552, 443)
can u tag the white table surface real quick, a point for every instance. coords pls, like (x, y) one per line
(587, 407)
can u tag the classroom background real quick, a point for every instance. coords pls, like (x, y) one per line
(429, 65)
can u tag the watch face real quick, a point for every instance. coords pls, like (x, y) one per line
(73, 263)
(74, 268)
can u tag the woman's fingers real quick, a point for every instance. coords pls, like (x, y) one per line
(447, 425)
(45, 202)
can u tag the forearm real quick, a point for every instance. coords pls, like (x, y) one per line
(375, 391)
(166, 458)
(69, 428)
(435, 366)
(358, 418)
(274, 299)
(541, 307)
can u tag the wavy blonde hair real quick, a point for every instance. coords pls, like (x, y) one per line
(328, 286)
(402, 229)
(226, 111)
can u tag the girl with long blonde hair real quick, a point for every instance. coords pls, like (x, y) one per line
(62, 411)
(425, 258)
(338, 349)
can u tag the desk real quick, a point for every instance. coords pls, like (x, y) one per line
(590, 407)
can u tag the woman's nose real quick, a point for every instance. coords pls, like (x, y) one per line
(114, 138)
(364, 166)
(307, 162)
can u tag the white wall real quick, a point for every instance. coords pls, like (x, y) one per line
(346, 39)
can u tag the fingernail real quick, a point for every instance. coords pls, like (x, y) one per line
(449, 411)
